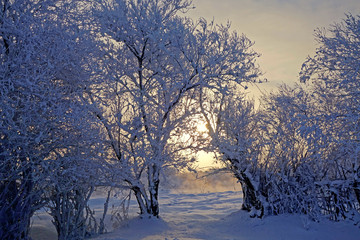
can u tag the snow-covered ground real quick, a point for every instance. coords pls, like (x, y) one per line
(196, 211)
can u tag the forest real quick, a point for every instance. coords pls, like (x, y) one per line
(109, 94)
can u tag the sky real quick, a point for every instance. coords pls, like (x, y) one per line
(283, 31)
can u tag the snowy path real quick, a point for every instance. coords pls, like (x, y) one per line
(214, 216)
(192, 215)
(183, 216)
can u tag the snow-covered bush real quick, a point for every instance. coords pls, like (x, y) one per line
(41, 80)
(334, 74)
(294, 144)
(300, 159)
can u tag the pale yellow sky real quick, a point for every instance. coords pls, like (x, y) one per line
(282, 30)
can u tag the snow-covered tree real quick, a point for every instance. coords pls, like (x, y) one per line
(159, 63)
(235, 131)
(231, 120)
(41, 79)
(334, 72)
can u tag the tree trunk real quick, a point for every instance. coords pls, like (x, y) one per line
(68, 212)
(357, 191)
(142, 201)
(154, 181)
(148, 204)
(15, 212)
(251, 201)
